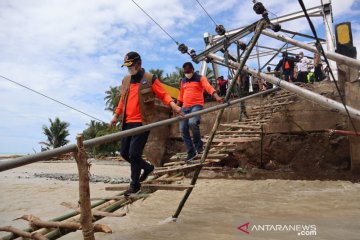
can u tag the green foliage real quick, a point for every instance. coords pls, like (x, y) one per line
(112, 98)
(209, 74)
(98, 129)
(158, 73)
(173, 79)
(56, 134)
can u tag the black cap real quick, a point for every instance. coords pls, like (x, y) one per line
(130, 59)
(188, 64)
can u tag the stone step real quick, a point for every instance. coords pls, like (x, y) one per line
(245, 126)
(235, 140)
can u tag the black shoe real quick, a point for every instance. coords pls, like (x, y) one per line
(130, 191)
(190, 157)
(200, 151)
(146, 173)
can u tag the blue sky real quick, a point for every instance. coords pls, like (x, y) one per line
(72, 51)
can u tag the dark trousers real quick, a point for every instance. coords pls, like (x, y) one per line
(318, 74)
(222, 90)
(288, 74)
(302, 77)
(131, 150)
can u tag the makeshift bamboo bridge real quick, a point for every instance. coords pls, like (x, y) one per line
(219, 144)
(169, 177)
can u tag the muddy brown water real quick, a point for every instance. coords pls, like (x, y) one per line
(270, 209)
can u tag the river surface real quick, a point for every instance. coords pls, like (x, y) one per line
(217, 209)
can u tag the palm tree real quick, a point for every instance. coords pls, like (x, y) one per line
(173, 79)
(112, 98)
(97, 129)
(56, 134)
(92, 129)
(209, 73)
(158, 73)
(179, 72)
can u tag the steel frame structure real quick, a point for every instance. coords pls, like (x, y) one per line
(215, 43)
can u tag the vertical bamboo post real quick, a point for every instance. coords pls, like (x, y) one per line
(84, 190)
(259, 27)
(262, 147)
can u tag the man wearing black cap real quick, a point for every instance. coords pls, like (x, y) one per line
(191, 98)
(136, 108)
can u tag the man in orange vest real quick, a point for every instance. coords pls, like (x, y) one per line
(222, 85)
(191, 98)
(287, 65)
(136, 108)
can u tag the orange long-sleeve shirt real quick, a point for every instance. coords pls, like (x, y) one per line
(132, 110)
(192, 90)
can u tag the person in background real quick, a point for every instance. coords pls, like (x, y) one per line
(302, 68)
(191, 99)
(269, 85)
(137, 108)
(222, 85)
(318, 67)
(243, 90)
(311, 75)
(286, 65)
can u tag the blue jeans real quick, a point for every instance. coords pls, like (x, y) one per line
(193, 124)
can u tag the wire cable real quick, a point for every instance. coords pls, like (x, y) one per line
(177, 43)
(206, 12)
(319, 47)
(21, 85)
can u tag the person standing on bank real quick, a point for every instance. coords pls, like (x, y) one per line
(318, 67)
(286, 64)
(302, 68)
(136, 108)
(191, 98)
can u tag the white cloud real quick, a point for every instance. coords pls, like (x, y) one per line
(71, 51)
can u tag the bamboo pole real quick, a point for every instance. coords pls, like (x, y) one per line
(93, 211)
(84, 190)
(36, 222)
(107, 206)
(261, 147)
(60, 218)
(259, 27)
(115, 205)
(56, 233)
(153, 187)
(22, 233)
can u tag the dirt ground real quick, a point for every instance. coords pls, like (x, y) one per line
(215, 210)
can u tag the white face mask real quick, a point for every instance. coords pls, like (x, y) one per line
(188, 75)
(132, 70)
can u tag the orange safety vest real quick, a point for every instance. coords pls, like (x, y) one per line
(286, 65)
